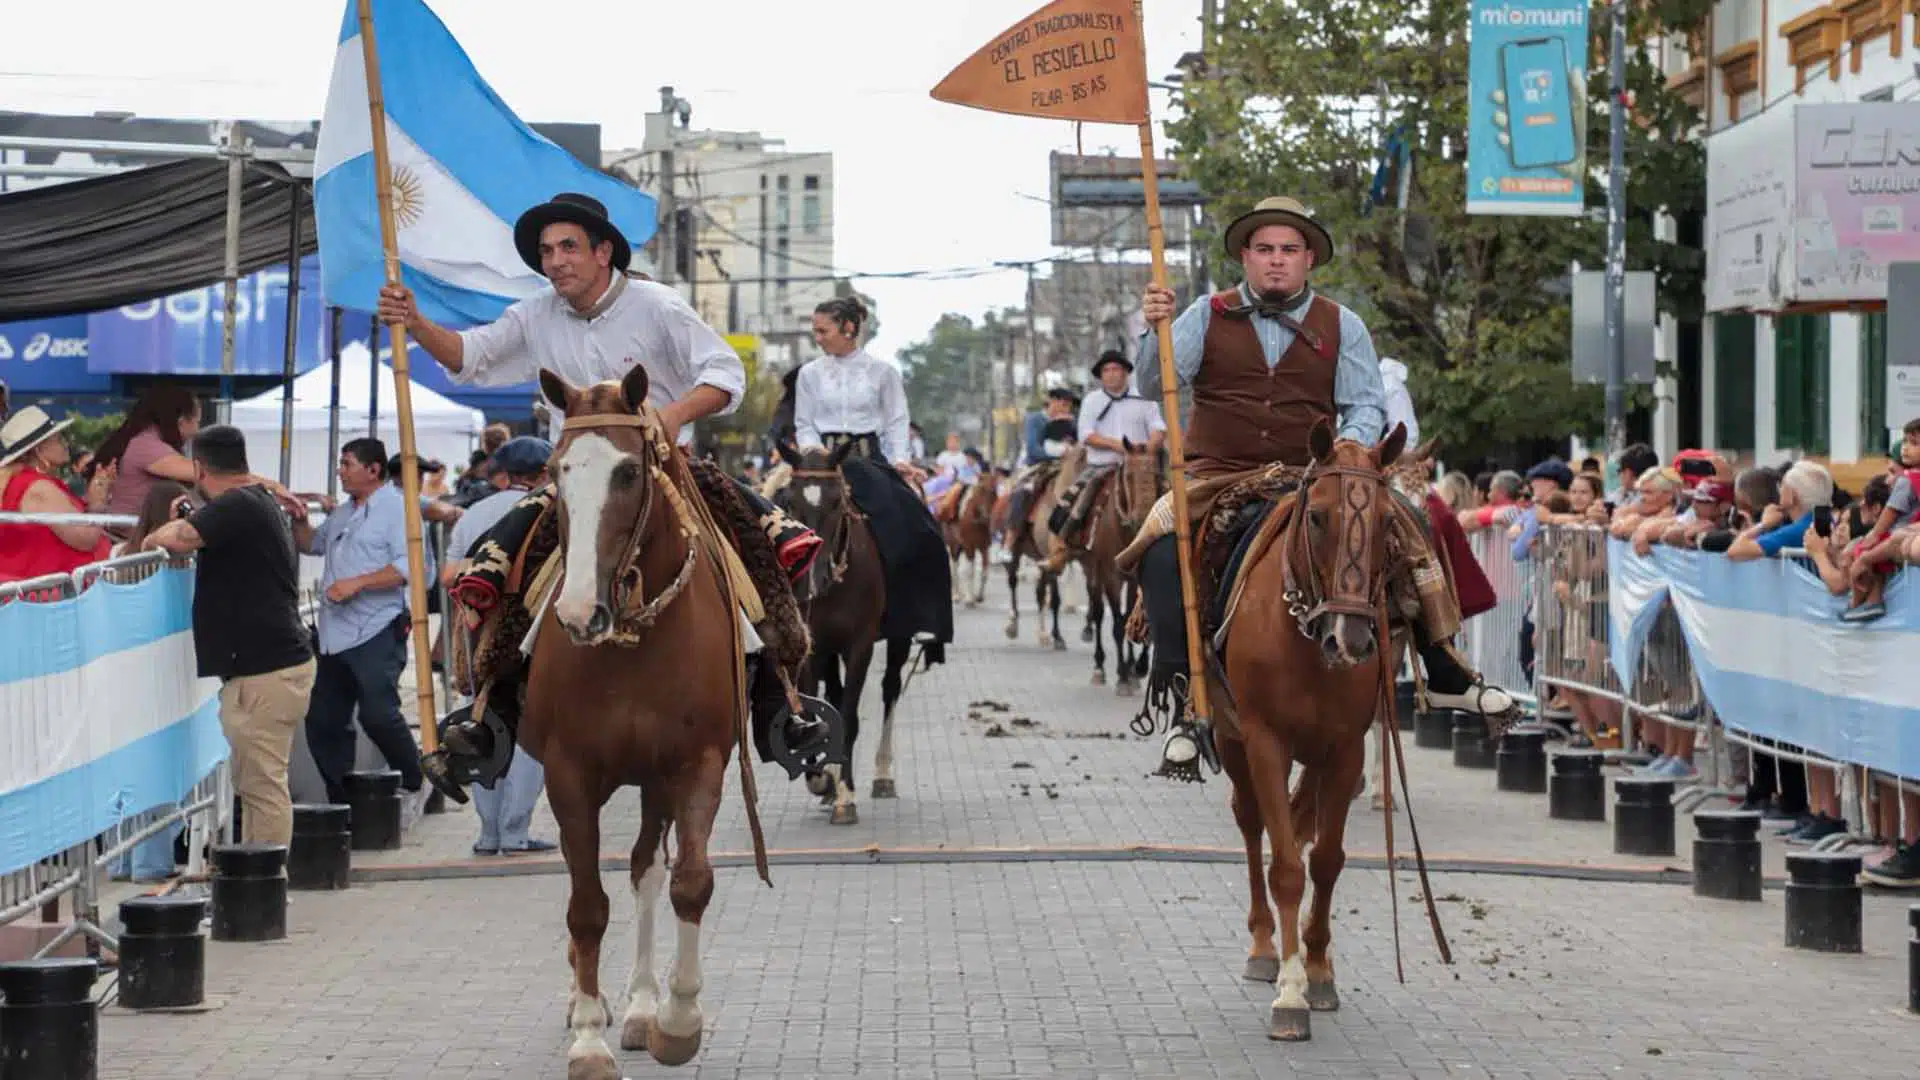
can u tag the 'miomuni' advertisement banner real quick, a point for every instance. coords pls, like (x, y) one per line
(1526, 112)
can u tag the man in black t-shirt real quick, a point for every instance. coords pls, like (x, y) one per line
(246, 625)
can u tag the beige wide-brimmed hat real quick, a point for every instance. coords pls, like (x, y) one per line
(1280, 210)
(25, 430)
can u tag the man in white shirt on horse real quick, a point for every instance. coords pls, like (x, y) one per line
(1112, 420)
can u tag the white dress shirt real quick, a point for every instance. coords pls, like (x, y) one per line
(646, 323)
(1131, 417)
(852, 395)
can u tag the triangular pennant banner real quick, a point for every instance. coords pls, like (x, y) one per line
(1071, 60)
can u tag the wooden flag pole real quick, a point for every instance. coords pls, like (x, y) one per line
(402, 396)
(1086, 61)
(1170, 408)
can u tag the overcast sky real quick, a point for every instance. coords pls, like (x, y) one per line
(919, 183)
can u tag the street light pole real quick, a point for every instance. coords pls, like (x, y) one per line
(1616, 309)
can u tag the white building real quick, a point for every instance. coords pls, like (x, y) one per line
(1805, 211)
(760, 219)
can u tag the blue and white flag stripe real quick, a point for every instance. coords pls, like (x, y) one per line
(102, 714)
(1772, 656)
(464, 167)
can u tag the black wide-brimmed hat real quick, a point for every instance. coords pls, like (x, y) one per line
(1112, 356)
(582, 210)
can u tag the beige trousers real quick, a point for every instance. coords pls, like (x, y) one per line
(259, 714)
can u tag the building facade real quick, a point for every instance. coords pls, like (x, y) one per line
(1813, 175)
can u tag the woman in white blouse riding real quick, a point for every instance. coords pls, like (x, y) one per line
(848, 396)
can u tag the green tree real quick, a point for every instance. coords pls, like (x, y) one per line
(1291, 102)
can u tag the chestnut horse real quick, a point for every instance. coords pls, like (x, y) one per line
(1307, 667)
(634, 681)
(1131, 492)
(969, 537)
(845, 598)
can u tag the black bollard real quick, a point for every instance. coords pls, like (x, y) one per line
(1472, 748)
(375, 799)
(1521, 764)
(1913, 960)
(322, 853)
(48, 1027)
(163, 958)
(1823, 901)
(1643, 815)
(1433, 729)
(1726, 855)
(1405, 705)
(249, 892)
(1576, 791)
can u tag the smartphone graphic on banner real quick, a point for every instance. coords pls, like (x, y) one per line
(1539, 114)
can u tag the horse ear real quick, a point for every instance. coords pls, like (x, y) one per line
(840, 454)
(787, 453)
(1391, 446)
(633, 388)
(1424, 452)
(555, 389)
(1320, 442)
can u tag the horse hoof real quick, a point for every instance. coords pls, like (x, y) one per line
(1125, 689)
(634, 1031)
(1059, 645)
(1099, 678)
(670, 1049)
(1323, 997)
(819, 784)
(1086, 634)
(883, 789)
(1262, 969)
(1290, 1025)
(845, 815)
(1013, 632)
(596, 1067)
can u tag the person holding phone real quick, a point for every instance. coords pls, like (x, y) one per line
(1806, 488)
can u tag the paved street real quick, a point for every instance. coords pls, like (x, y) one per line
(990, 923)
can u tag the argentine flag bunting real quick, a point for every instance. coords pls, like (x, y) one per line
(464, 168)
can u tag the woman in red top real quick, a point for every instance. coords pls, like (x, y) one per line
(31, 450)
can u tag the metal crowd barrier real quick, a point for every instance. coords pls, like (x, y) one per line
(77, 872)
(1491, 639)
(1570, 589)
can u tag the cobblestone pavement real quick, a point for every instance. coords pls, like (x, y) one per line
(1058, 962)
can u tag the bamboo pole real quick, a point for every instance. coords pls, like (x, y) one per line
(1170, 407)
(402, 394)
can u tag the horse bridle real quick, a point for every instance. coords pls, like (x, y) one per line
(840, 544)
(628, 586)
(1307, 605)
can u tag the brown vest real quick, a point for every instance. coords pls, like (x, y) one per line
(1246, 416)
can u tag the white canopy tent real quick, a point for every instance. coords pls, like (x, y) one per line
(442, 429)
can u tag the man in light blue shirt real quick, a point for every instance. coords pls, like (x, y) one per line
(1268, 361)
(362, 622)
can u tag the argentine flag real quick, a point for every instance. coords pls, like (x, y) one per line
(464, 168)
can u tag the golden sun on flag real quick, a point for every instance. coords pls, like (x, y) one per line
(409, 196)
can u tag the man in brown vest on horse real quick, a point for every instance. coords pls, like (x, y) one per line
(595, 322)
(1266, 360)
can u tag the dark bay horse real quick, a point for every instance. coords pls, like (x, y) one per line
(845, 597)
(634, 681)
(1130, 493)
(969, 537)
(1307, 668)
